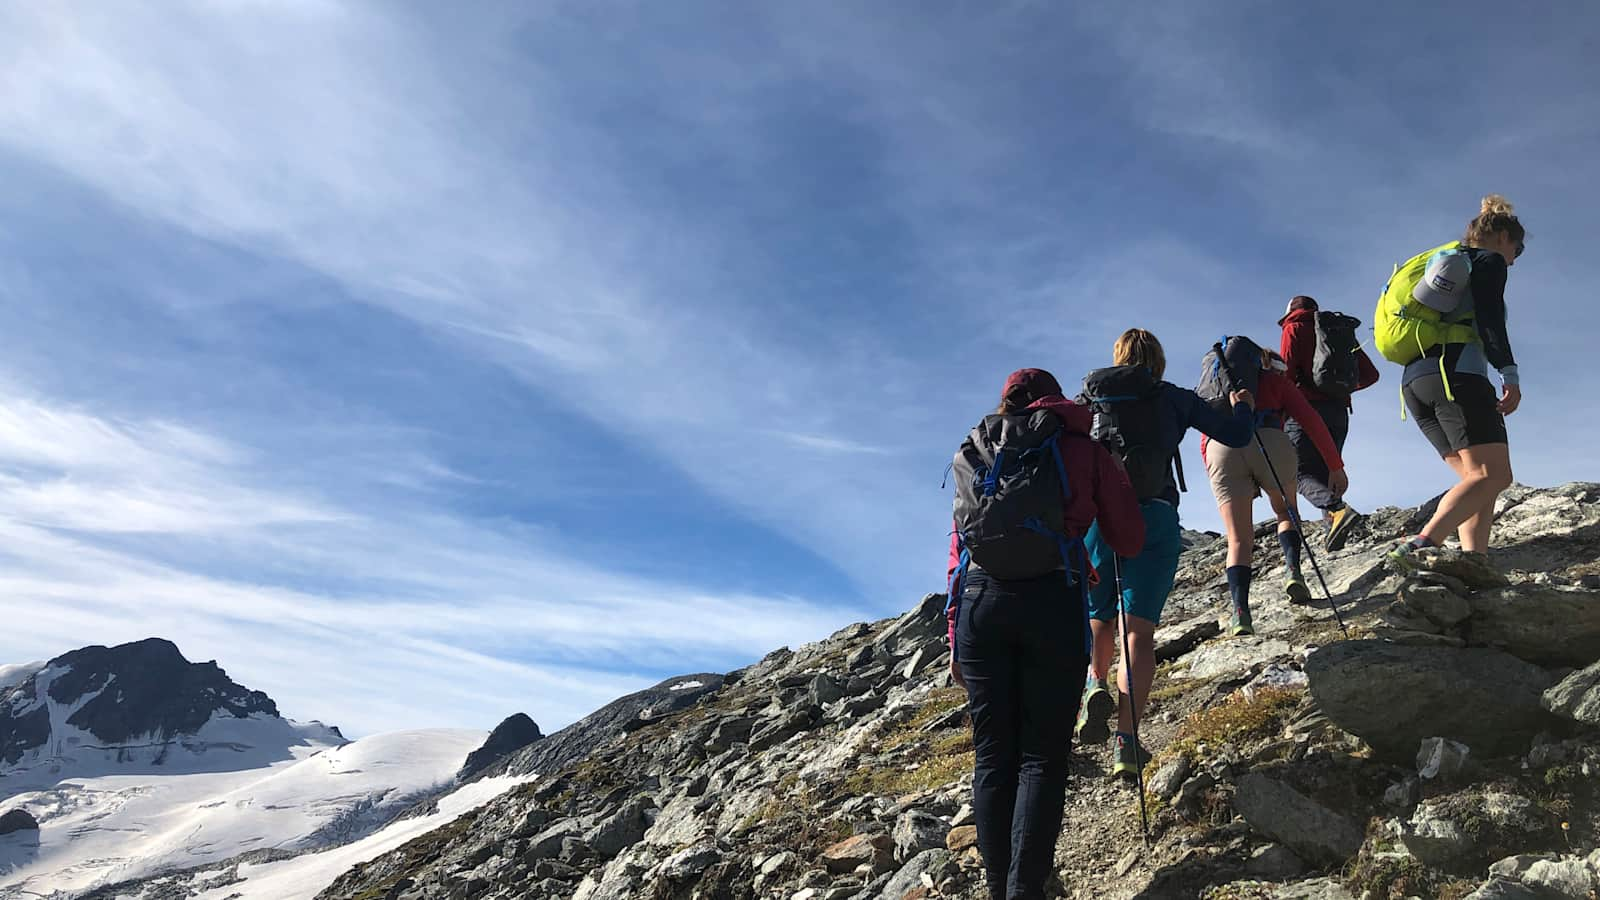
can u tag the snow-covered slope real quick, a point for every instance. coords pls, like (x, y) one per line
(305, 876)
(107, 829)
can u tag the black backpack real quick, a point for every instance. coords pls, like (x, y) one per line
(1243, 357)
(1129, 415)
(1335, 368)
(1010, 488)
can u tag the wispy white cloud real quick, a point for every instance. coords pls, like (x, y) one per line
(440, 617)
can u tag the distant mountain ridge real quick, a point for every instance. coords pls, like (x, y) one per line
(115, 704)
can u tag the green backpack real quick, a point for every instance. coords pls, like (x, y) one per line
(1405, 327)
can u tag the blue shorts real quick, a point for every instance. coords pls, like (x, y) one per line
(1147, 578)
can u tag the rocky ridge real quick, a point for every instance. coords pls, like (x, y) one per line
(1447, 749)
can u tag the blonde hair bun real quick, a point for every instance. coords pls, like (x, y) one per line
(1496, 205)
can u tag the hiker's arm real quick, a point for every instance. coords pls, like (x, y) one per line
(1234, 431)
(1489, 314)
(1116, 505)
(1300, 409)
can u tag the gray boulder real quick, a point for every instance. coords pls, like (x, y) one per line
(916, 831)
(1314, 832)
(1274, 862)
(690, 863)
(1170, 777)
(793, 723)
(1234, 657)
(1553, 625)
(1395, 696)
(1561, 878)
(929, 862)
(547, 843)
(1437, 603)
(1577, 697)
(621, 830)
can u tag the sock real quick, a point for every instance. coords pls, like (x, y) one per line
(1290, 542)
(1239, 585)
(1095, 682)
(1419, 542)
(1335, 506)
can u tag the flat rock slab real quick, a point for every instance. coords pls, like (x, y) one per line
(1547, 624)
(1396, 696)
(1313, 831)
(1233, 656)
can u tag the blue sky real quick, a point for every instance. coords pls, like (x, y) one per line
(423, 366)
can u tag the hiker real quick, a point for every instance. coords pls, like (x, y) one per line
(1147, 419)
(1327, 364)
(1446, 385)
(1238, 476)
(1017, 618)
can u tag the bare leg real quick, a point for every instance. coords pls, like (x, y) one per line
(1105, 648)
(1236, 516)
(1468, 509)
(1282, 508)
(1142, 645)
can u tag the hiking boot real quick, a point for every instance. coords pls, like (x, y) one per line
(1296, 588)
(1128, 759)
(1094, 714)
(1339, 523)
(1240, 621)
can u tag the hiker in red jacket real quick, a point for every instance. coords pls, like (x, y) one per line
(1020, 648)
(1299, 349)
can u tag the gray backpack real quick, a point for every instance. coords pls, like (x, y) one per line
(1243, 358)
(1010, 489)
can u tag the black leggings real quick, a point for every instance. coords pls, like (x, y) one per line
(1022, 650)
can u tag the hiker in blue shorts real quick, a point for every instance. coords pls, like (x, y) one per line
(1142, 419)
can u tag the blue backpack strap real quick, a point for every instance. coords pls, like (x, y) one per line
(1061, 468)
(992, 482)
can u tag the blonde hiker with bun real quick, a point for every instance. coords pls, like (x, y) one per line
(1443, 317)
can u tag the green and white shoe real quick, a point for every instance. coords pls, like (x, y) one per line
(1403, 558)
(1296, 589)
(1240, 623)
(1128, 759)
(1095, 712)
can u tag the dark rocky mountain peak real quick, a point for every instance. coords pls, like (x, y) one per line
(516, 732)
(140, 688)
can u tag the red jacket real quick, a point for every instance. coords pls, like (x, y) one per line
(1100, 490)
(1299, 345)
(1274, 393)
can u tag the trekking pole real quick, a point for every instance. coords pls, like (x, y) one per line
(1288, 502)
(1133, 708)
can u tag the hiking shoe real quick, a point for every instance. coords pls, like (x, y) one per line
(1240, 621)
(1403, 558)
(1296, 588)
(1128, 759)
(1339, 523)
(1094, 714)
